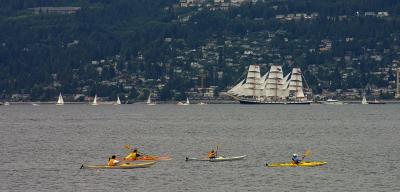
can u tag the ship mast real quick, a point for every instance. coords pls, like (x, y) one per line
(274, 87)
(296, 84)
(253, 81)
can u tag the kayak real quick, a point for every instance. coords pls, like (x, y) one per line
(302, 164)
(220, 158)
(151, 158)
(123, 166)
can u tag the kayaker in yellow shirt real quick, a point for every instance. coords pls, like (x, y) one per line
(112, 161)
(133, 155)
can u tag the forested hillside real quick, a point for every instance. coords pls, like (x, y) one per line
(133, 47)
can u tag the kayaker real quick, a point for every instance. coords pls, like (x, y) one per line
(296, 159)
(133, 155)
(212, 154)
(113, 161)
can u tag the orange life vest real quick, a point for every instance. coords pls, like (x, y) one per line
(212, 154)
(112, 162)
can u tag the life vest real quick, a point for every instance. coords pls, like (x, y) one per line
(296, 160)
(112, 162)
(132, 156)
(212, 154)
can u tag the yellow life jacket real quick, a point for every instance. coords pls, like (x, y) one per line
(131, 156)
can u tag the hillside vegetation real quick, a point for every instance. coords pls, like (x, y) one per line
(133, 47)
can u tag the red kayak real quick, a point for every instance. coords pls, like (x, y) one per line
(151, 158)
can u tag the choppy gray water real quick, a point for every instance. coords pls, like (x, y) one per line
(43, 147)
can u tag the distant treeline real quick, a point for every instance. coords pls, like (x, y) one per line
(35, 47)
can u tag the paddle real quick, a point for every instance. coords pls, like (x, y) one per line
(216, 151)
(306, 154)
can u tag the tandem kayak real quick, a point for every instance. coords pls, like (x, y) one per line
(216, 159)
(123, 166)
(302, 164)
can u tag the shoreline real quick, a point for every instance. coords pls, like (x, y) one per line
(194, 102)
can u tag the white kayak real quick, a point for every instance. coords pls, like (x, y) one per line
(220, 158)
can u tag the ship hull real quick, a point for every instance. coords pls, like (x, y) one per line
(254, 102)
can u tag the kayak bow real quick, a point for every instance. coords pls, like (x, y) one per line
(302, 164)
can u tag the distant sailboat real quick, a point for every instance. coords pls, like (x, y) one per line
(364, 101)
(186, 103)
(149, 102)
(202, 103)
(60, 100)
(6, 103)
(95, 100)
(118, 101)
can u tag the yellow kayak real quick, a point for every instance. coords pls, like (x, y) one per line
(123, 166)
(302, 164)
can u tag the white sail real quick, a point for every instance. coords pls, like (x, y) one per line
(118, 101)
(264, 77)
(364, 101)
(274, 89)
(60, 100)
(236, 90)
(95, 100)
(149, 102)
(253, 85)
(186, 103)
(148, 99)
(285, 88)
(296, 84)
(264, 82)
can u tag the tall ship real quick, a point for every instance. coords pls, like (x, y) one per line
(271, 88)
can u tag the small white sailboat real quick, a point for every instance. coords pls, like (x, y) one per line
(186, 103)
(6, 103)
(118, 101)
(95, 100)
(149, 102)
(60, 100)
(364, 101)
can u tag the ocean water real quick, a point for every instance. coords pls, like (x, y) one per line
(43, 147)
